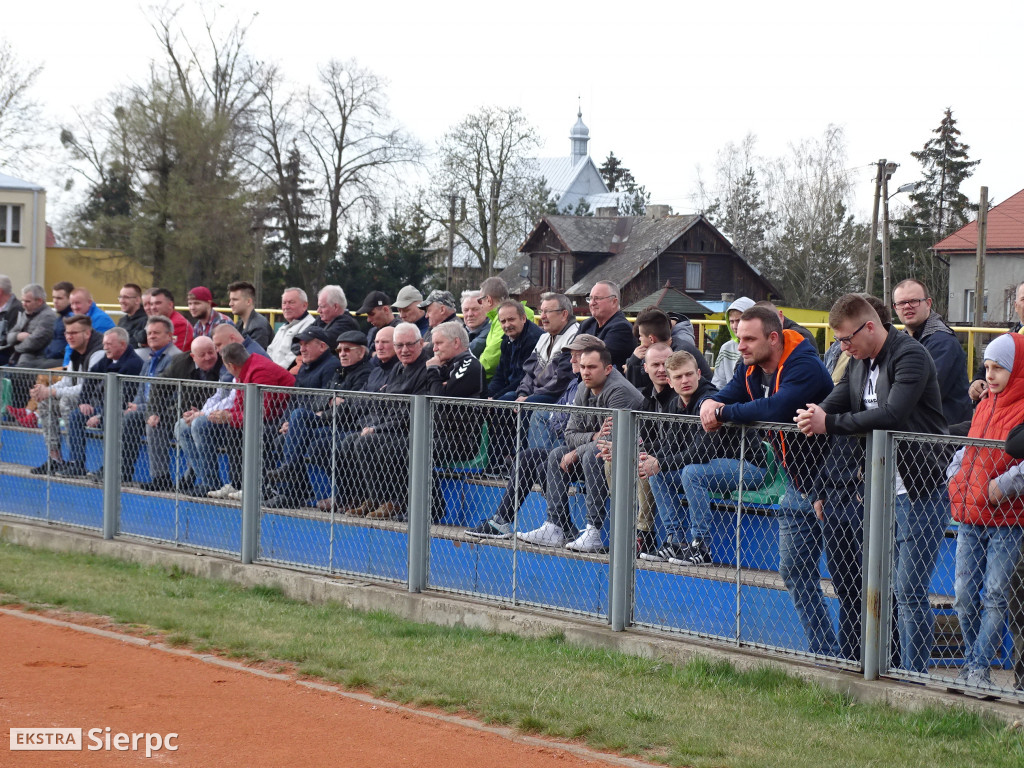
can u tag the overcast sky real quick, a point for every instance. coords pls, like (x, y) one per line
(663, 85)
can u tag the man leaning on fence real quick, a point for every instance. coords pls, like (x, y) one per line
(891, 384)
(779, 372)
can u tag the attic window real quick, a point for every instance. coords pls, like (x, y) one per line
(694, 276)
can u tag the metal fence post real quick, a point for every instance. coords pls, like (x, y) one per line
(252, 469)
(622, 558)
(419, 492)
(876, 610)
(111, 454)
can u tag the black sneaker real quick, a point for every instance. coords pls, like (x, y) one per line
(491, 529)
(71, 469)
(670, 551)
(50, 466)
(699, 554)
(645, 543)
(161, 483)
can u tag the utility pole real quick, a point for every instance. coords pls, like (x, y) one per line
(870, 273)
(890, 169)
(979, 283)
(452, 198)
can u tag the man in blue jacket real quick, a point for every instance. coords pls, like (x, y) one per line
(780, 372)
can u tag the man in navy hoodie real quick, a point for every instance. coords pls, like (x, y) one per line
(780, 372)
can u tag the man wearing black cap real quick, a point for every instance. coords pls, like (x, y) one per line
(317, 371)
(377, 308)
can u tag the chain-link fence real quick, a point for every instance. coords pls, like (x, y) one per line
(730, 543)
(44, 444)
(335, 482)
(519, 498)
(952, 533)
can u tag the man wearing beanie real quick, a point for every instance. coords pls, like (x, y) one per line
(890, 384)
(729, 354)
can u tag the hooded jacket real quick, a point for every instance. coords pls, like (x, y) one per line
(975, 466)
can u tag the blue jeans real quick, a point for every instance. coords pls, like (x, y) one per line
(919, 529)
(76, 436)
(201, 442)
(844, 537)
(984, 556)
(697, 481)
(800, 548)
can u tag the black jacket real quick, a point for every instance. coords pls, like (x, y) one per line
(908, 401)
(379, 374)
(136, 327)
(617, 335)
(129, 364)
(457, 428)
(257, 329)
(637, 376)
(171, 401)
(337, 326)
(512, 363)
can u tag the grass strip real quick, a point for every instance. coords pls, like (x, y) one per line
(701, 714)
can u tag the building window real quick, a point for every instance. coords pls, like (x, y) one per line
(969, 306)
(694, 276)
(1009, 308)
(10, 224)
(554, 280)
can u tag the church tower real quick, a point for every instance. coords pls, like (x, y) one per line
(579, 137)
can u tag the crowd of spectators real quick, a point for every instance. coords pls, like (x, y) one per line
(874, 377)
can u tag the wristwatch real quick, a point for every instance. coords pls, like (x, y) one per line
(718, 414)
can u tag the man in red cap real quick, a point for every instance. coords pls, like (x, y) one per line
(200, 306)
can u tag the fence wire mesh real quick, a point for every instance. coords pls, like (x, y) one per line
(730, 545)
(956, 567)
(519, 515)
(335, 482)
(181, 461)
(43, 446)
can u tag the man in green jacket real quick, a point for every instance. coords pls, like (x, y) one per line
(493, 291)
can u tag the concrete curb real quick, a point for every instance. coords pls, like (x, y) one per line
(449, 610)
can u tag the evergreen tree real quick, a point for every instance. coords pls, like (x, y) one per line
(938, 208)
(613, 172)
(744, 217)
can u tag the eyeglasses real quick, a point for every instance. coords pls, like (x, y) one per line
(406, 344)
(592, 299)
(552, 311)
(908, 303)
(848, 339)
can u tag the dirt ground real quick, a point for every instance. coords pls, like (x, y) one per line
(58, 676)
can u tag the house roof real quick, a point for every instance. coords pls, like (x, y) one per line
(671, 300)
(1005, 230)
(560, 172)
(10, 182)
(634, 241)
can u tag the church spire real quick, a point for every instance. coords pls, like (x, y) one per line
(578, 138)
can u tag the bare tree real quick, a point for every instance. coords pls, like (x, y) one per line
(486, 158)
(20, 114)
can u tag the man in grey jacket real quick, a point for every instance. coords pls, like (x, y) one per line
(33, 330)
(580, 458)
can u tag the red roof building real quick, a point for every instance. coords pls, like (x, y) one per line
(1004, 263)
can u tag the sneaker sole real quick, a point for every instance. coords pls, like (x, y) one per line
(482, 535)
(652, 558)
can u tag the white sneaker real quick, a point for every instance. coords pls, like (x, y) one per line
(588, 541)
(548, 535)
(235, 495)
(223, 492)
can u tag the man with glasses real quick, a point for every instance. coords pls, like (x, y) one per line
(890, 384)
(57, 400)
(912, 303)
(134, 318)
(548, 370)
(608, 323)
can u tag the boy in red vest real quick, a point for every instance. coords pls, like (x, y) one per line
(983, 490)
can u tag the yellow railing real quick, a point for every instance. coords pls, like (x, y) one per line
(974, 334)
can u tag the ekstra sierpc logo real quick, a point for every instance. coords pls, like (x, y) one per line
(95, 740)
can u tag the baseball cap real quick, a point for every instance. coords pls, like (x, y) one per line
(373, 300)
(585, 342)
(408, 295)
(439, 297)
(312, 333)
(201, 293)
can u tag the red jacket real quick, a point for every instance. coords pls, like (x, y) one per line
(993, 419)
(183, 332)
(262, 370)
